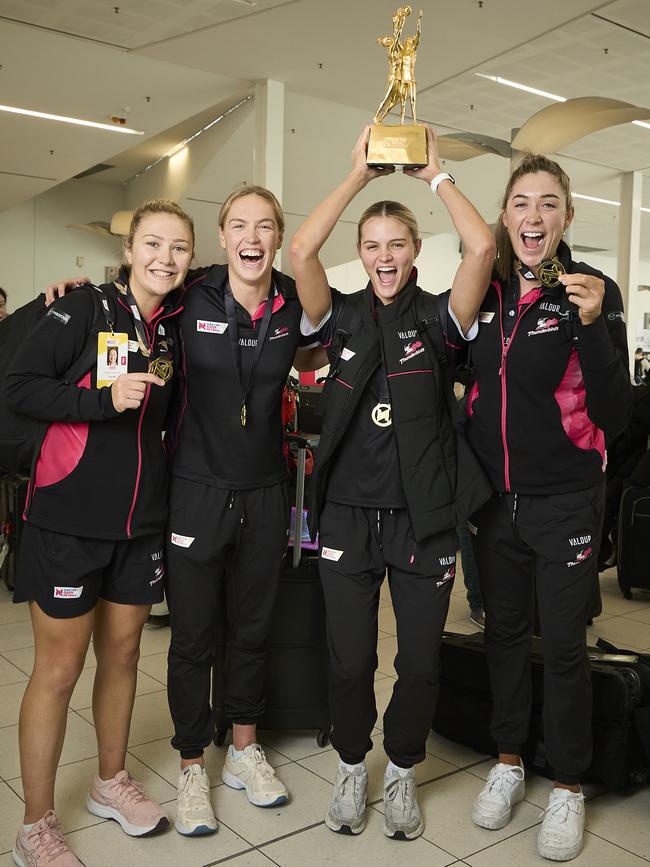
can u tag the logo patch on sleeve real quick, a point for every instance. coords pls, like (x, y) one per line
(347, 354)
(61, 317)
(486, 316)
(331, 554)
(182, 541)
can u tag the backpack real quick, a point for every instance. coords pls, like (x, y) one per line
(21, 436)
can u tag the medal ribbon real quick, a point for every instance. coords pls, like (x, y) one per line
(140, 330)
(233, 330)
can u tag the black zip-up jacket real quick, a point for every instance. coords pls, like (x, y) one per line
(549, 391)
(99, 473)
(422, 425)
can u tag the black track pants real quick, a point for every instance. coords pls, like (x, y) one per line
(217, 536)
(359, 546)
(548, 545)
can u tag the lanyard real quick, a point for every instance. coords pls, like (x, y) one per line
(233, 330)
(141, 333)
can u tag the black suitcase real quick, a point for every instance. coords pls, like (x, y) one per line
(296, 682)
(633, 555)
(13, 494)
(621, 709)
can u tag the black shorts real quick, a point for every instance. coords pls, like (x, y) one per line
(66, 575)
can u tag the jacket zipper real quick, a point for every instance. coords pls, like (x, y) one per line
(153, 325)
(506, 343)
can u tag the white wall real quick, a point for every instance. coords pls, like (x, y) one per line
(36, 248)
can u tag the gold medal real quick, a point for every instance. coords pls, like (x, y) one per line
(549, 272)
(242, 415)
(161, 367)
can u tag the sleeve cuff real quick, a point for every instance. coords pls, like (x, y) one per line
(472, 331)
(307, 329)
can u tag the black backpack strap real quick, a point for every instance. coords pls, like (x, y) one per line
(104, 318)
(430, 329)
(348, 318)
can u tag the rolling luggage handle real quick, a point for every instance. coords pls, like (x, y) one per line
(303, 441)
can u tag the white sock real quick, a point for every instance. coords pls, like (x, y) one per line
(237, 753)
(393, 769)
(351, 768)
(28, 828)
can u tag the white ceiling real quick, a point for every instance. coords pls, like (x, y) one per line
(80, 58)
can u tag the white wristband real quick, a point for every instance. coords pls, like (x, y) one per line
(443, 176)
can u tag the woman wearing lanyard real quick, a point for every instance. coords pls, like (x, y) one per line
(91, 561)
(229, 501)
(381, 484)
(550, 362)
(229, 510)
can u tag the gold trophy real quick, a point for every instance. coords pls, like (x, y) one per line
(404, 145)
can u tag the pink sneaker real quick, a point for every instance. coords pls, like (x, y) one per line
(44, 845)
(125, 801)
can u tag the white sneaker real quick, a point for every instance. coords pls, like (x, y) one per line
(253, 773)
(504, 788)
(194, 814)
(347, 811)
(560, 837)
(402, 816)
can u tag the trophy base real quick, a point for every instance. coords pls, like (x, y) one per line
(404, 146)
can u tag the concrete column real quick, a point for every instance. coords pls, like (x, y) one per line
(269, 139)
(629, 235)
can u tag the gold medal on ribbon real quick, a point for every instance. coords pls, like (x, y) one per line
(550, 270)
(242, 415)
(161, 367)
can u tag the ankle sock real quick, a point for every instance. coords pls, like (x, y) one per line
(28, 828)
(351, 768)
(394, 769)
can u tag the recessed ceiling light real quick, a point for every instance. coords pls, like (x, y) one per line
(74, 120)
(517, 86)
(603, 201)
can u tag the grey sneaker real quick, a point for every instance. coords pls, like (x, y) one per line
(347, 812)
(402, 816)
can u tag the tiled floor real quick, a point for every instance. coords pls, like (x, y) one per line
(295, 835)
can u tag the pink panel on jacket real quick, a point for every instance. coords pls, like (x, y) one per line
(62, 448)
(572, 400)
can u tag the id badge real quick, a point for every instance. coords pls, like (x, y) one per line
(112, 355)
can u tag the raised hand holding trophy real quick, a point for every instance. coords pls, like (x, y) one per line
(406, 144)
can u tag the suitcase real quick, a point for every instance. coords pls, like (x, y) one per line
(633, 555)
(621, 709)
(296, 681)
(13, 494)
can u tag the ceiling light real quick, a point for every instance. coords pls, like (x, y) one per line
(75, 120)
(518, 86)
(641, 123)
(603, 201)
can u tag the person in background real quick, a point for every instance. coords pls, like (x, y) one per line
(3, 304)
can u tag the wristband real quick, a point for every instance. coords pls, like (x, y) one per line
(443, 176)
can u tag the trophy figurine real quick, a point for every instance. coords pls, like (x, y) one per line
(404, 145)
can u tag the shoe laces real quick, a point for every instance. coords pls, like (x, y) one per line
(399, 790)
(48, 839)
(127, 790)
(347, 787)
(559, 809)
(499, 782)
(261, 765)
(194, 788)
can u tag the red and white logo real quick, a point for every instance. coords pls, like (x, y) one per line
(449, 575)
(280, 332)
(544, 325)
(182, 541)
(68, 592)
(411, 350)
(581, 556)
(211, 327)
